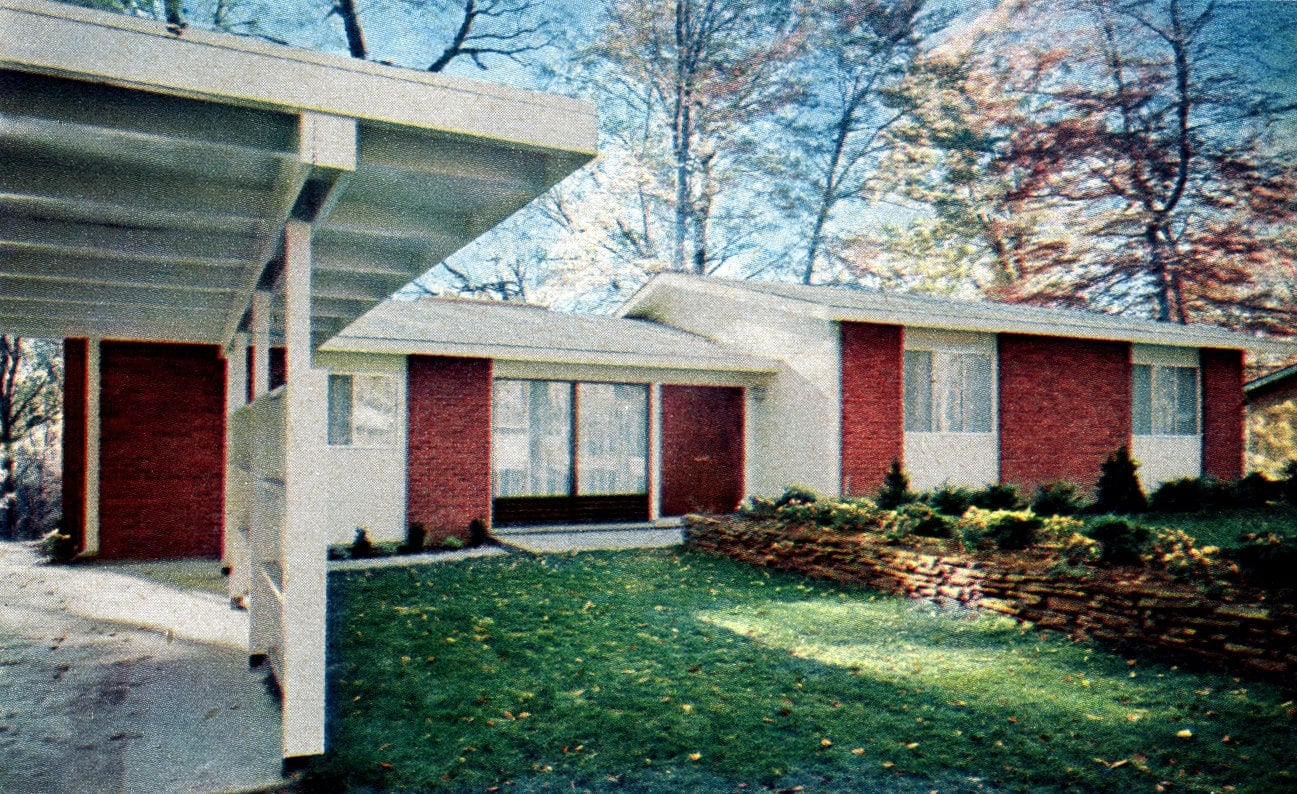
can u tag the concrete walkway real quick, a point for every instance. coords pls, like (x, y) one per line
(592, 537)
(113, 681)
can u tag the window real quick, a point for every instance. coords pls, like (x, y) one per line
(533, 450)
(948, 392)
(1164, 400)
(362, 410)
(532, 438)
(613, 439)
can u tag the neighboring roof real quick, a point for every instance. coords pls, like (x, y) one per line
(865, 305)
(1266, 382)
(148, 174)
(519, 332)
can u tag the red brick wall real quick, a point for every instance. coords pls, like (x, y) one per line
(873, 408)
(702, 449)
(1222, 413)
(76, 384)
(162, 450)
(449, 466)
(1064, 407)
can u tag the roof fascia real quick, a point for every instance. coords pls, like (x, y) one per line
(54, 38)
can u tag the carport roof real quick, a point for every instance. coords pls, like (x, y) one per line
(518, 332)
(148, 175)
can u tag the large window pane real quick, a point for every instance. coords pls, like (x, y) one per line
(1141, 399)
(1164, 392)
(1186, 401)
(612, 433)
(949, 392)
(978, 392)
(340, 410)
(532, 438)
(373, 410)
(918, 391)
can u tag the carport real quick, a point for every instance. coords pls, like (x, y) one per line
(209, 189)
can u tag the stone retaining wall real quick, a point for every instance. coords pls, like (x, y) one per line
(1127, 607)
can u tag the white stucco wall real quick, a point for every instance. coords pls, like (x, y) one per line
(793, 427)
(366, 485)
(971, 460)
(1163, 458)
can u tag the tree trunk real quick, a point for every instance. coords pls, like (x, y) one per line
(346, 10)
(680, 135)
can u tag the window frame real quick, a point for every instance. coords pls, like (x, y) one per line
(393, 429)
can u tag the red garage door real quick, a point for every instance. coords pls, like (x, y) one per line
(702, 449)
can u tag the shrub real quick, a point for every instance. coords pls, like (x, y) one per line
(414, 537)
(452, 542)
(1288, 485)
(477, 533)
(797, 494)
(896, 488)
(1185, 495)
(1257, 490)
(1058, 498)
(1001, 529)
(758, 508)
(997, 497)
(951, 500)
(1118, 490)
(1065, 534)
(1123, 542)
(916, 518)
(1176, 552)
(1267, 559)
(850, 515)
(58, 546)
(361, 547)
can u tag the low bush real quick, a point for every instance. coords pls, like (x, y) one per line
(916, 518)
(1196, 494)
(58, 546)
(1185, 495)
(1123, 542)
(896, 488)
(1008, 530)
(1176, 552)
(950, 500)
(452, 542)
(799, 506)
(414, 539)
(361, 547)
(1118, 489)
(1257, 490)
(1267, 559)
(1065, 535)
(998, 497)
(1058, 498)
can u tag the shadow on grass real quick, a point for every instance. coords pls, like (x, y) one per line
(668, 671)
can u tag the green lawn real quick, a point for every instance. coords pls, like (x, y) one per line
(1224, 527)
(667, 671)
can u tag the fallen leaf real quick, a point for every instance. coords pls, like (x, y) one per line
(695, 756)
(858, 751)
(825, 743)
(1184, 733)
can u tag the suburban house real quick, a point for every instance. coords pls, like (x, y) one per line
(1272, 420)
(440, 412)
(214, 225)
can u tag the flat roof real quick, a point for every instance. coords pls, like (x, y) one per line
(1271, 379)
(521, 332)
(148, 174)
(923, 311)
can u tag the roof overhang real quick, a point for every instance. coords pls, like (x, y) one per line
(953, 315)
(148, 175)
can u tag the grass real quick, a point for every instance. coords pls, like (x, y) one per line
(1225, 528)
(671, 671)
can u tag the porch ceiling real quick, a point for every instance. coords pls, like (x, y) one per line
(147, 177)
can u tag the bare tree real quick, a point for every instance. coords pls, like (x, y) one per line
(29, 399)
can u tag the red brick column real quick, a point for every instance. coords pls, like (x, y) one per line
(1064, 407)
(873, 407)
(1222, 413)
(448, 469)
(161, 450)
(702, 449)
(76, 387)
